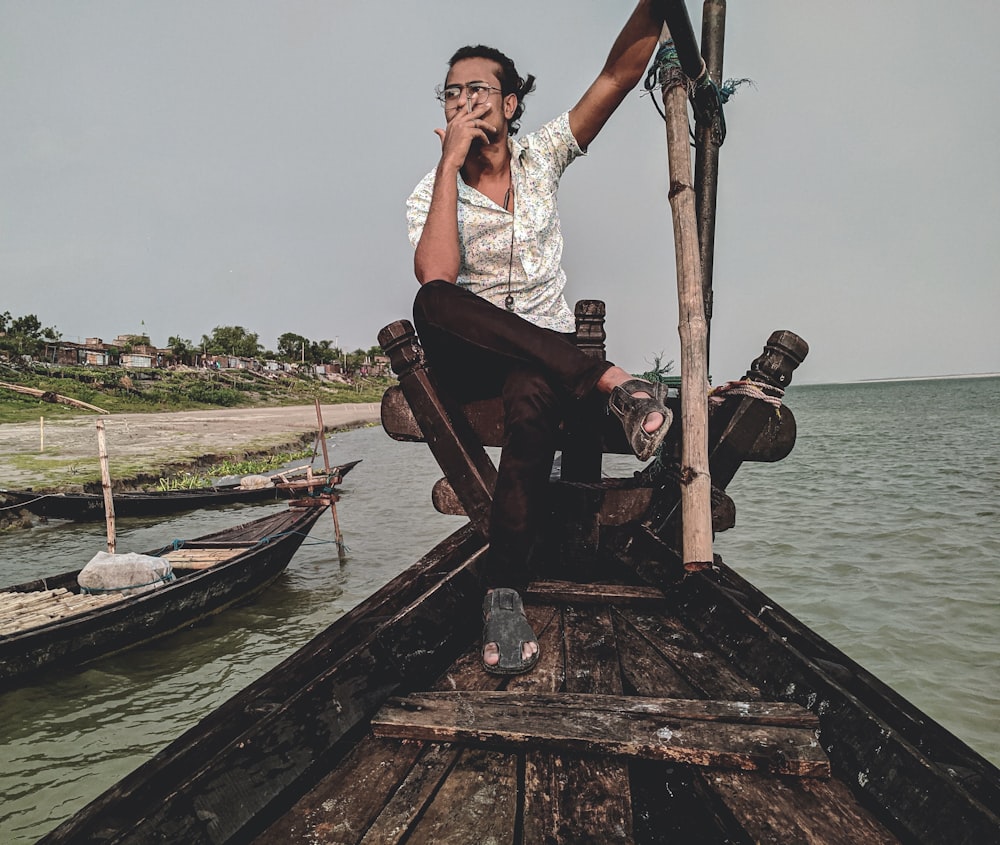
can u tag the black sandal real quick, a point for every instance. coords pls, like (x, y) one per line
(505, 624)
(633, 410)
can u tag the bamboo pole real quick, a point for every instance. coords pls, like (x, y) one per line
(41, 434)
(707, 144)
(109, 501)
(337, 536)
(696, 482)
(48, 396)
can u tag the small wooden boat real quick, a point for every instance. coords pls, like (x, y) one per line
(672, 702)
(51, 622)
(80, 507)
(668, 705)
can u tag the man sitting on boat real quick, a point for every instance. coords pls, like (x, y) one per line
(491, 313)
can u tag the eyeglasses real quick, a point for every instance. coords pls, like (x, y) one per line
(476, 92)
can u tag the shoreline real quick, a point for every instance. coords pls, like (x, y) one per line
(62, 455)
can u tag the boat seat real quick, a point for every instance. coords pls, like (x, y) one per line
(741, 428)
(418, 410)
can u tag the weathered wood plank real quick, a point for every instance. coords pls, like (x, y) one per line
(884, 765)
(571, 592)
(580, 799)
(776, 810)
(771, 736)
(623, 708)
(476, 803)
(644, 668)
(409, 774)
(692, 657)
(720, 791)
(342, 806)
(407, 803)
(672, 805)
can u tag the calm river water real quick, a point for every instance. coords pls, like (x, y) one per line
(880, 531)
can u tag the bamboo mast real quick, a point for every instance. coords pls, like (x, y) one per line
(696, 482)
(709, 134)
(109, 501)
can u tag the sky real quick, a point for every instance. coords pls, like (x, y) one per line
(171, 166)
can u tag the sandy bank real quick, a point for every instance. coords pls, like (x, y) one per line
(153, 443)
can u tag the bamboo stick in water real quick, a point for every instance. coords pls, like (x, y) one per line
(109, 502)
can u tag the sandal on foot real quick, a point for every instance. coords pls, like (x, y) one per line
(505, 624)
(632, 411)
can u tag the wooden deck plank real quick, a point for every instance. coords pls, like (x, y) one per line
(776, 811)
(343, 805)
(798, 797)
(397, 816)
(476, 803)
(571, 592)
(691, 656)
(569, 798)
(772, 737)
(333, 811)
(643, 667)
(200, 558)
(672, 804)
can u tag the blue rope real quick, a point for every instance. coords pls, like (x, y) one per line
(666, 71)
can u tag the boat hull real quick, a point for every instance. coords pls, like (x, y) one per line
(84, 507)
(289, 751)
(76, 640)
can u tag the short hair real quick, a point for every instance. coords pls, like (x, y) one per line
(510, 81)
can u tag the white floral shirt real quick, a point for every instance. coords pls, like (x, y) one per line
(534, 263)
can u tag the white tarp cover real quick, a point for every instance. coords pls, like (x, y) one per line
(126, 573)
(255, 482)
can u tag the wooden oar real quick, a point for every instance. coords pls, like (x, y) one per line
(696, 482)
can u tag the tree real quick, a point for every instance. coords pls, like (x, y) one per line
(26, 334)
(231, 340)
(182, 348)
(291, 345)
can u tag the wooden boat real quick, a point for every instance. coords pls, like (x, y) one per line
(672, 702)
(80, 507)
(668, 705)
(49, 622)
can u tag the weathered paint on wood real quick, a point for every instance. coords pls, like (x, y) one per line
(730, 734)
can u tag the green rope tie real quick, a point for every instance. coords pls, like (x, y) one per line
(706, 96)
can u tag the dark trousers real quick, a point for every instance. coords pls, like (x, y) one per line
(477, 350)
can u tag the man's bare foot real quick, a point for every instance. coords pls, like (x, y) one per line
(491, 652)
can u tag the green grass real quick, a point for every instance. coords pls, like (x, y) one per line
(117, 391)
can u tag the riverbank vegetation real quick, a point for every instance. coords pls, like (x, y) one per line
(120, 390)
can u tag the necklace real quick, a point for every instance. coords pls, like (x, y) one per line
(508, 200)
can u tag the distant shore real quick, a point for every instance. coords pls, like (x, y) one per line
(932, 378)
(62, 454)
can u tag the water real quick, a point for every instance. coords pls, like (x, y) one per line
(880, 531)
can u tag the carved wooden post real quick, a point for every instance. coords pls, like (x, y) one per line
(745, 426)
(453, 443)
(581, 454)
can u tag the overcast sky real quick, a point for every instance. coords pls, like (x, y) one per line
(171, 166)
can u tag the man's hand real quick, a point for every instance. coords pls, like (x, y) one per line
(462, 131)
